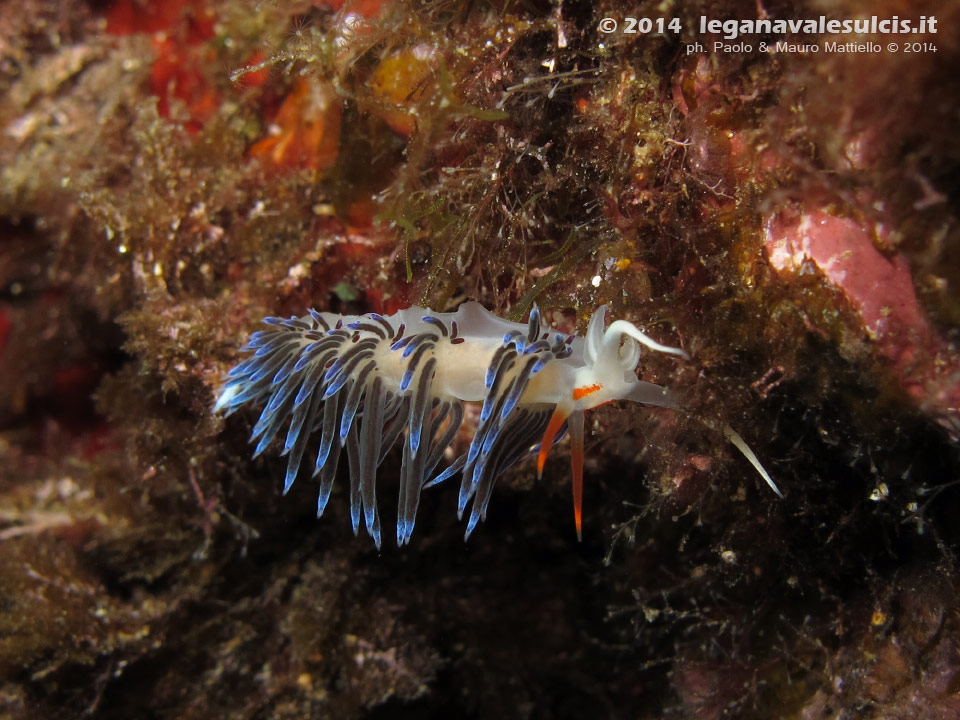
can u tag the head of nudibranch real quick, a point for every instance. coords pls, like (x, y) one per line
(607, 373)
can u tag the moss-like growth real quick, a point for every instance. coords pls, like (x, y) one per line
(170, 175)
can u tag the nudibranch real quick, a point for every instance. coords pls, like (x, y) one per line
(360, 383)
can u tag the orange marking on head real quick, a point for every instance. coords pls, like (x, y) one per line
(582, 392)
(553, 427)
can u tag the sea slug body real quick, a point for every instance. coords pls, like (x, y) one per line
(360, 383)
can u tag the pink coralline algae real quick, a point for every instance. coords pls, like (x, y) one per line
(879, 288)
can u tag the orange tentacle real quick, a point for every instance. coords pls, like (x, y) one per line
(575, 425)
(553, 427)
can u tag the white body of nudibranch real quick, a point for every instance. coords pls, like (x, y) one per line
(360, 383)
